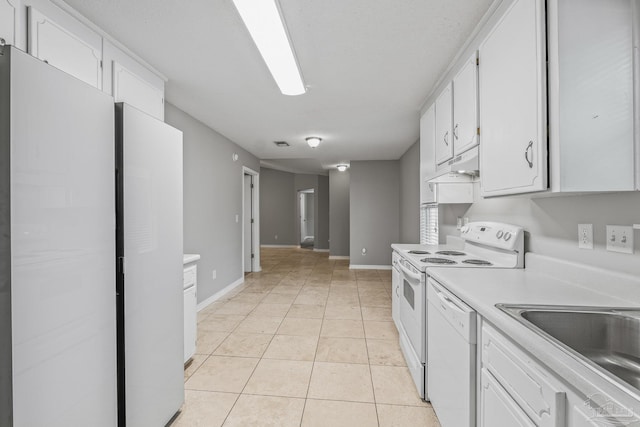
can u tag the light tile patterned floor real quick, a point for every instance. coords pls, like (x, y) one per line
(306, 343)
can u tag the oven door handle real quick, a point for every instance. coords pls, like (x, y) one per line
(409, 273)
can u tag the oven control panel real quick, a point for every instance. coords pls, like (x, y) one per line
(494, 234)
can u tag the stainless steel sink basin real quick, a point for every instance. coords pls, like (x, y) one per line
(608, 338)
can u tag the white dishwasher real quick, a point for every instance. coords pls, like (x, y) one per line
(451, 334)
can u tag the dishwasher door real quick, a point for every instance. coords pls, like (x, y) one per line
(451, 334)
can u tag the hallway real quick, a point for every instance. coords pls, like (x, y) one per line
(306, 342)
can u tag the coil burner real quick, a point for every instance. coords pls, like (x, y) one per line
(438, 261)
(451, 253)
(477, 262)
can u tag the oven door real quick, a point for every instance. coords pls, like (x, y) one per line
(413, 309)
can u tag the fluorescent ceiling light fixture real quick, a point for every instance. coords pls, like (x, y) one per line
(266, 26)
(342, 168)
(313, 141)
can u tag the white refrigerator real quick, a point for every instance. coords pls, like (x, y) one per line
(57, 248)
(150, 269)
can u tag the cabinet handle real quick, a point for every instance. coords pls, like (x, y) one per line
(526, 154)
(446, 138)
(455, 131)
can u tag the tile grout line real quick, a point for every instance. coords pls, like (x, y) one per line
(366, 344)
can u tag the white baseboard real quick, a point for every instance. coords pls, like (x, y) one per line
(369, 267)
(215, 297)
(279, 246)
(308, 237)
(338, 257)
(320, 250)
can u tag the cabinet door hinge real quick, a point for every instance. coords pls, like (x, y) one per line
(251, 220)
(101, 64)
(478, 131)
(252, 256)
(478, 60)
(251, 185)
(121, 265)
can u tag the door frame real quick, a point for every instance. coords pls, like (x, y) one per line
(255, 227)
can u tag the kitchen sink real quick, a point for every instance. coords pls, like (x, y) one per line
(606, 338)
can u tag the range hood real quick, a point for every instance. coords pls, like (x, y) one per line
(451, 187)
(465, 163)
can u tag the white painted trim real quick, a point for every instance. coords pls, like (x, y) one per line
(255, 263)
(320, 250)
(369, 267)
(215, 297)
(338, 257)
(279, 246)
(307, 237)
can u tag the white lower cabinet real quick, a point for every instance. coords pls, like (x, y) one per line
(190, 311)
(528, 384)
(497, 408)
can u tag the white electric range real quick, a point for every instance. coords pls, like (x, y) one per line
(481, 245)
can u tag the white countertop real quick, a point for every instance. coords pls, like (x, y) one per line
(483, 288)
(189, 258)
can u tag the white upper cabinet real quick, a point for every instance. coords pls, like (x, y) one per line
(465, 107)
(427, 144)
(444, 128)
(127, 80)
(591, 95)
(130, 88)
(513, 100)
(64, 42)
(12, 24)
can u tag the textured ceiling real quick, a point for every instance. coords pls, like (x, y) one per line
(368, 65)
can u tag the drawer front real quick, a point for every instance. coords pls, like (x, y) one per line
(190, 276)
(524, 380)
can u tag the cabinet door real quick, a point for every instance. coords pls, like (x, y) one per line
(66, 44)
(465, 107)
(134, 90)
(591, 63)
(190, 322)
(12, 23)
(512, 84)
(497, 408)
(427, 144)
(444, 139)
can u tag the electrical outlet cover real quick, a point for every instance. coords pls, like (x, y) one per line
(585, 236)
(620, 238)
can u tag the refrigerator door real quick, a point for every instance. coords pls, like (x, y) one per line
(62, 203)
(151, 289)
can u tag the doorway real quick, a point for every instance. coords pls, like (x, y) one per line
(250, 227)
(306, 199)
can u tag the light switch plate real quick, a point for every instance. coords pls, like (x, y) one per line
(620, 238)
(585, 236)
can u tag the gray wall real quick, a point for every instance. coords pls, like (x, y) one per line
(212, 199)
(552, 224)
(339, 213)
(277, 208)
(375, 211)
(322, 220)
(305, 182)
(280, 212)
(410, 195)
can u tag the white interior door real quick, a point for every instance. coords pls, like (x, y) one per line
(247, 224)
